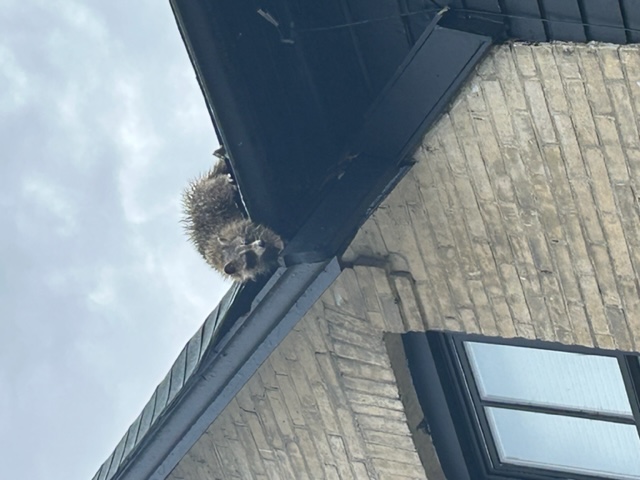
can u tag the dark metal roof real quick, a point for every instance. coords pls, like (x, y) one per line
(615, 21)
(317, 104)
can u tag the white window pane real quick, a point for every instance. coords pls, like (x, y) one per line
(548, 378)
(568, 444)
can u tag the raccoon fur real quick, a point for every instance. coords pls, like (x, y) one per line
(244, 250)
(213, 218)
(210, 203)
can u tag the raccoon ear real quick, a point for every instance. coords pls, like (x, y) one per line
(230, 268)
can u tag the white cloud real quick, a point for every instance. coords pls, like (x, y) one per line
(5, 405)
(14, 82)
(74, 20)
(190, 115)
(83, 18)
(103, 126)
(195, 288)
(103, 295)
(51, 199)
(139, 146)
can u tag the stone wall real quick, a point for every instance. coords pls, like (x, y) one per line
(521, 215)
(520, 218)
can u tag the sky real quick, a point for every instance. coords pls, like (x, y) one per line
(102, 124)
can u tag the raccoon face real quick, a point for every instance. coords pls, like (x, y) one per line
(243, 258)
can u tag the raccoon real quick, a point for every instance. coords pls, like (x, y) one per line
(244, 250)
(215, 223)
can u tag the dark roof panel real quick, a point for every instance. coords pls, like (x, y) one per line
(162, 396)
(416, 16)
(604, 19)
(526, 21)
(104, 470)
(384, 43)
(97, 475)
(492, 6)
(147, 416)
(548, 20)
(177, 374)
(117, 456)
(132, 436)
(208, 330)
(631, 14)
(193, 354)
(564, 20)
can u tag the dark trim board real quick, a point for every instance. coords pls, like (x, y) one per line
(439, 414)
(415, 97)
